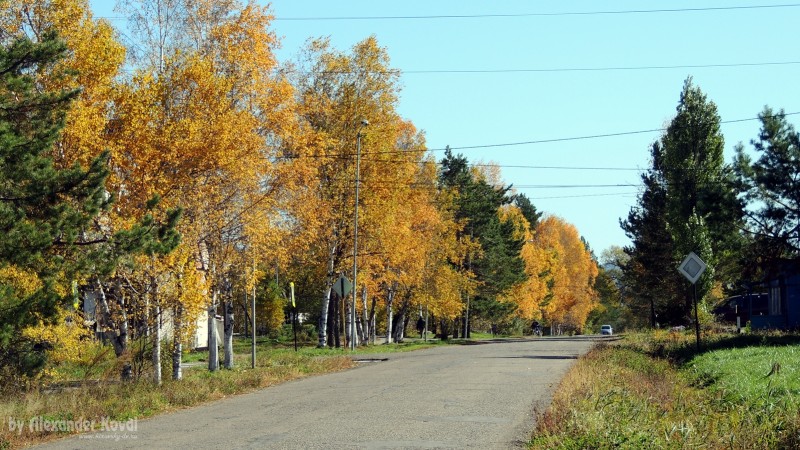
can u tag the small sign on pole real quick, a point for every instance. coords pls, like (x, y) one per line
(692, 268)
(342, 286)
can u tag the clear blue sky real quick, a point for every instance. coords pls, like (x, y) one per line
(472, 109)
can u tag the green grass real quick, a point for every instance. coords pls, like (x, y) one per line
(656, 391)
(764, 378)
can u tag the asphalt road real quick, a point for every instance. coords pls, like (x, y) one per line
(483, 396)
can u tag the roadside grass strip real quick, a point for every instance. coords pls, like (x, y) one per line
(629, 395)
(77, 392)
(120, 402)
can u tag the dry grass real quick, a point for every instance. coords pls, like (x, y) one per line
(123, 401)
(633, 396)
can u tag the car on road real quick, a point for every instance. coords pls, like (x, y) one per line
(606, 330)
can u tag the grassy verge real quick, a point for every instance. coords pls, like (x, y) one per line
(275, 363)
(656, 391)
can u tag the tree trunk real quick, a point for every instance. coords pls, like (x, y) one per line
(444, 330)
(389, 301)
(465, 333)
(364, 317)
(326, 299)
(348, 321)
(323, 318)
(118, 337)
(361, 332)
(336, 323)
(400, 322)
(177, 342)
(156, 343)
(373, 333)
(246, 312)
(213, 355)
(228, 324)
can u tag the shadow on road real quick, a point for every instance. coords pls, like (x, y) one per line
(535, 339)
(535, 357)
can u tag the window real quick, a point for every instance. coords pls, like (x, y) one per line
(775, 301)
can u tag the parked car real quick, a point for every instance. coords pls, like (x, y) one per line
(606, 330)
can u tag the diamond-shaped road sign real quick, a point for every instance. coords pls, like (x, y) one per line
(692, 267)
(342, 286)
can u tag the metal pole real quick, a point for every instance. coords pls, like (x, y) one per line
(426, 322)
(355, 238)
(696, 319)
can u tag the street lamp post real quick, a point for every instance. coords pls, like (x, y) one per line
(363, 124)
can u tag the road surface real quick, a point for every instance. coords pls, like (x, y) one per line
(482, 396)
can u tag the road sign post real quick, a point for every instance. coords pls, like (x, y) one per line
(692, 268)
(342, 287)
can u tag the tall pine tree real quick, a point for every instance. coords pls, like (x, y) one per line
(50, 238)
(688, 205)
(498, 266)
(649, 273)
(43, 211)
(772, 184)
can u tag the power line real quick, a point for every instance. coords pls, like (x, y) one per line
(397, 71)
(502, 166)
(551, 69)
(541, 14)
(593, 136)
(614, 194)
(521, 15)
(513, 144)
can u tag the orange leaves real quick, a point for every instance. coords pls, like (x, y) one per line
(561, 273)
(93, 61)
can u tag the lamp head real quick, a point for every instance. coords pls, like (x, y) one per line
(364, 122)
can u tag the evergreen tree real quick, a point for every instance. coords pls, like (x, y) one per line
(43, 211)
(50, 238)
(772, 184)
(703, 214)
(649, 274)
(531, 214)
(689, 205)
(498, 266)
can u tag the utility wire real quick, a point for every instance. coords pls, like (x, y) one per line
(541, 14)
(614, 194)
(511, 144)
(594, 136)
(543, 70)
(522, 15)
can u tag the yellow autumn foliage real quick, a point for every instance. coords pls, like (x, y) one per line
(561, 272)
(24, 282)
(69, 341)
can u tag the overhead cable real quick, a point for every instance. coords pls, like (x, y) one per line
(540, 14)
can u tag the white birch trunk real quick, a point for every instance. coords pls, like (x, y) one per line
(348, 321)
(228, 342)
(177, 343)
(373, 333)
(326, 298)
(213, 355)
(389, 301)
(323, 318)
(157, 344)
(364, 317)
